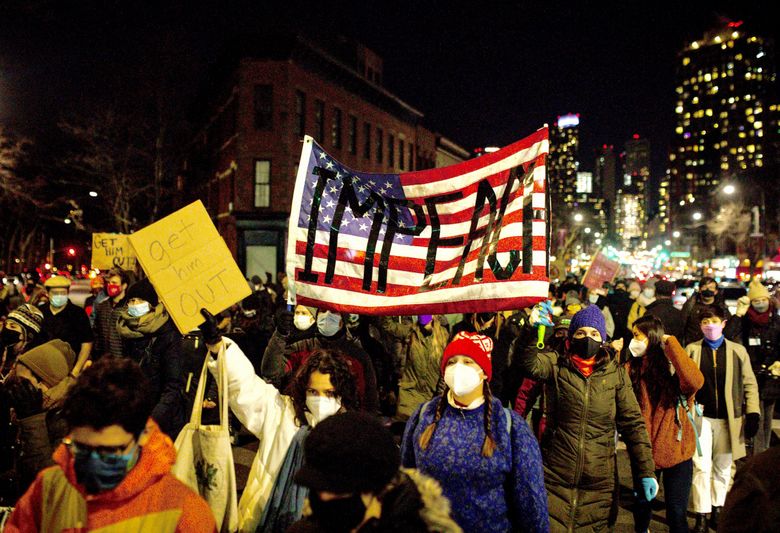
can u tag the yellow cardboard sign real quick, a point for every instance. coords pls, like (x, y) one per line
(111, 250)
(189, 265)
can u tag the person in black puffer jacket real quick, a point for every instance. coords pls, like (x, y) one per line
(151, 339)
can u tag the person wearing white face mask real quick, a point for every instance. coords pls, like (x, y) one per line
(760, 327)
(643, 299)
(485, 456)
(598, 297)
(64, 320)
(323, 385)
(281, 361)
(665, 381)
(150, 338)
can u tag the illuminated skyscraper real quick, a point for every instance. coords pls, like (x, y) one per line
(562, 167)
(631, 203)
(726, 120)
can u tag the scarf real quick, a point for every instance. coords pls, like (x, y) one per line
(714, 344)
(130, 327)
(585, 366)
(759, 319)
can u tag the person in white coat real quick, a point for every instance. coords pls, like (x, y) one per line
(322, 387)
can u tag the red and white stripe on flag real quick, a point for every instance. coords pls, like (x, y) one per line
(471, 237)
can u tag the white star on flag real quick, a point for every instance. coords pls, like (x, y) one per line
(326, 219)
(331, 204)
(323, 155)
(363, 227)
(329, 165)
(333, 189)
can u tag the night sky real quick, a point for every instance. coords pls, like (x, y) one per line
(483, 73)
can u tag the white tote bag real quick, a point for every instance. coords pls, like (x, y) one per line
(204, 460)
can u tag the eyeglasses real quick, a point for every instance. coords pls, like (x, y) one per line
(106, 453)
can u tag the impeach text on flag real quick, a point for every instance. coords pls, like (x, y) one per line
(471, 237)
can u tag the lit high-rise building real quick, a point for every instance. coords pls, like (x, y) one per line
(562, 166)
(726, 120)
(631, 202)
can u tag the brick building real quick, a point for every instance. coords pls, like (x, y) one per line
(244, 159)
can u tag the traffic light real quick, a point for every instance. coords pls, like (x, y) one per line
(71, 252)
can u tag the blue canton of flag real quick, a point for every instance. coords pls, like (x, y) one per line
(363, 184)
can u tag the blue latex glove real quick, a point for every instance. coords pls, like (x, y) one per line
(542, 314)
(649, 488)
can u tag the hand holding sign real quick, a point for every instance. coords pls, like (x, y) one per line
(189, 265)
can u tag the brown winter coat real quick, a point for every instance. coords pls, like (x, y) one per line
(578, 447)
(663, 425)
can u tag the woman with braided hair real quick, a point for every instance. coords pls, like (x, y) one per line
(484, 456)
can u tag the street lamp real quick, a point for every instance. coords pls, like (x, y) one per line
(676, 234)
(578, 217)
(729, 189)
(697, 216)
(587, 230)
(667, 242)
(93, 194)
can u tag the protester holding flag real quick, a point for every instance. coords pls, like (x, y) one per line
(322, 386)
(665, 380)
(424, 343)
(590, 397)
(484, 456)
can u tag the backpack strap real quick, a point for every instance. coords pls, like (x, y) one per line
(682, 401)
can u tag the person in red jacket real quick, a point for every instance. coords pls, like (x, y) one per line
(665, 380)
(113, 471)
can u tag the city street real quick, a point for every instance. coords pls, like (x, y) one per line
(244, 454)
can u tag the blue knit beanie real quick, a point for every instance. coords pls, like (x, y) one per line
(590, 317)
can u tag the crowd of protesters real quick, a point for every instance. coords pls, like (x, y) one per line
(506, 421)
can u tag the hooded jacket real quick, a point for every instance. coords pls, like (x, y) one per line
(578, 447)
(148, 499)
(412, 503)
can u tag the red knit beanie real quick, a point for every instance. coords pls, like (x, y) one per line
(477, 347)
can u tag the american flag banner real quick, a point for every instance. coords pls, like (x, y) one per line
(470, 237)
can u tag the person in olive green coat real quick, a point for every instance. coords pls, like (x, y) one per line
(424, 342)
(590, 398)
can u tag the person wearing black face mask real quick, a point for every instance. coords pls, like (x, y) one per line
(351, 466)
(589, 398)
(707, 299)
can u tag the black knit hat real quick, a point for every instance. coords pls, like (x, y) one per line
(348, 453)
(143, 289)
(664, 288)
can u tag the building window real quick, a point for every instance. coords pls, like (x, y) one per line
(319, 121)
(380, 145)
(262, 183)
(300, 113)
(366, 140)
(410, 166)
(264, 107)
(401, 157)
(335, 128)
(391, 150)
(352, 135)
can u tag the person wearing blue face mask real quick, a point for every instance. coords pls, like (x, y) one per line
(150, 338)
(279, 365)
(64, 320)
(112, 471)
